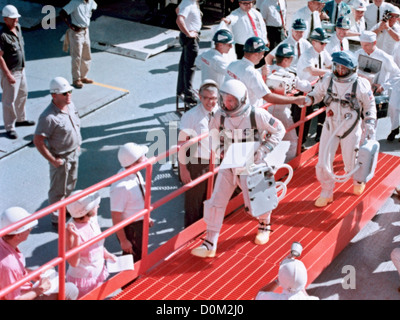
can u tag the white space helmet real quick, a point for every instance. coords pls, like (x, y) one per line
(82, 206)
(9, 11)
(292, 275)
(59, 85)
(131, 152)
(15, 214)
(238, 90)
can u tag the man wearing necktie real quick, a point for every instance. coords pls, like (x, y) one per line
(245, 22)
(332, 10)
(194, 162)
(274, 14)
(375, 12)
(338, 41)
(311, 15)
(127, 198)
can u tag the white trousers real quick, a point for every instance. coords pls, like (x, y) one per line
(14, 99)
(348, 146)
(215, 207)
(79, 43)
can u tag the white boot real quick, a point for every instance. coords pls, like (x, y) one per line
(208, 248)
(262, 237)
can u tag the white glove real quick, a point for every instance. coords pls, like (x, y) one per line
(260, 154)
(370, 132)
(308, 103)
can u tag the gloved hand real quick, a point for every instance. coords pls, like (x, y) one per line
(260, 154)
(370, 132)
(308, 102)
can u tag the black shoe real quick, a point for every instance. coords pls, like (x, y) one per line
(392, 135)
(190, 100)
(12, 134)
(25, 123)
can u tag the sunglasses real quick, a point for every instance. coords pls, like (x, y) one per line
(68, 92)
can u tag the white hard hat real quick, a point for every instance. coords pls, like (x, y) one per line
(9, 11)
(131, 152)
(83, 205)
(292, 275)
(15, 214)
(237, 89)
(59, 85)
(359, 5)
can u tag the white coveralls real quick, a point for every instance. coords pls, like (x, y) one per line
(389, 79)
(227, 181)
(335, 116)
(284, 114)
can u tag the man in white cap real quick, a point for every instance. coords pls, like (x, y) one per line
(127, 198)
(292, 277)
(58, 139)
(358, 23)
(388, 32)
(311, 15)
(375, 12)
(389, 76)
(12, 261)
(79, 40)
(214, 62)
(13, 77)
(194, 123)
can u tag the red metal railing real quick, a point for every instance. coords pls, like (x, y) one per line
(146, 260)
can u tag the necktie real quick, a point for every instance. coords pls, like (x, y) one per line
(377, 16)
(341, 46)
(281, 13)
(319, 61)
(210, 116)
(252, 24)
(312, 22)
(298, 50)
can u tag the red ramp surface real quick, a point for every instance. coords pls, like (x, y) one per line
(241, 268)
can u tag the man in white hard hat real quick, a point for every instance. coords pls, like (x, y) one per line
(13, 77)
(12, 261)
(292, 277)
(80, 12)
(58, 139)
(127, 198)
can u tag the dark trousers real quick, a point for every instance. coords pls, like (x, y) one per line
(195, 197)
(275, 36)
(190, 50)
(134, 233)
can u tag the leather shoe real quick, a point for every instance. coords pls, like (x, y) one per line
(392, 135)
(190, 100)
(78, 84)
(25, 123)
(86, 80)
(12, 134)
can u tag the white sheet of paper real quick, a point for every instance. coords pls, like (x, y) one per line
(239, 154)
(124, 262)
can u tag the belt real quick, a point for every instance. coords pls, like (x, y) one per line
(78, 29)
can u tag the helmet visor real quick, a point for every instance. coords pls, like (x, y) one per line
(341, 71)
(228, 102)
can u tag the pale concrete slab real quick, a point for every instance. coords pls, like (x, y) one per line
(129, 38)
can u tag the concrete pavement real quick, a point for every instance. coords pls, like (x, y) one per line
(118, 117)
